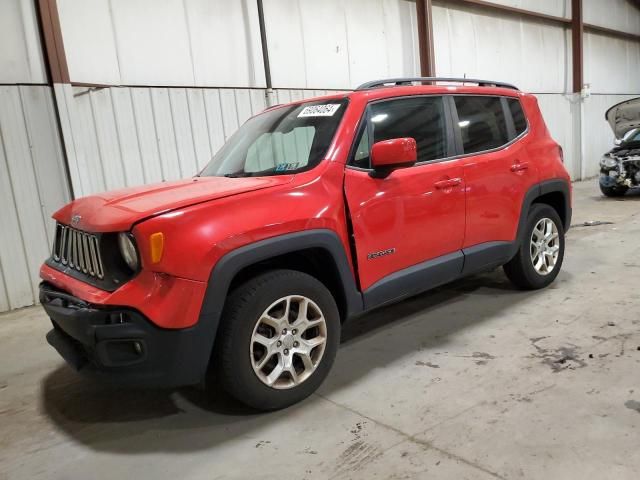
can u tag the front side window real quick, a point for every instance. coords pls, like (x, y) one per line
(280, 141)
(482, 123)
(421, 118)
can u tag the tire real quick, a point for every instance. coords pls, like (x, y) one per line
(616, 191)
(238, 354)
(520, 269)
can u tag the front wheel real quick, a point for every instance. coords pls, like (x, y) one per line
(541, 250)
(278, 338)
(615, 191)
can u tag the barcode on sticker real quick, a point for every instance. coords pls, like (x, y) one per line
(319, 110)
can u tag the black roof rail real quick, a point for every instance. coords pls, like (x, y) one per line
(410, 80)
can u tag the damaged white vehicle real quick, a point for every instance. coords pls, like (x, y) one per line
(620, 168)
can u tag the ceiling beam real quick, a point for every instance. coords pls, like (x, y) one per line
(512, 11)
(590, 28)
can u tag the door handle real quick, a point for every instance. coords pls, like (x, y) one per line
(452, 182)
(518, 167)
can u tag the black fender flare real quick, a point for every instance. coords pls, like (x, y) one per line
(543, 188)
(233, 262)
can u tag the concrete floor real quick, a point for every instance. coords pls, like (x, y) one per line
(475, 380)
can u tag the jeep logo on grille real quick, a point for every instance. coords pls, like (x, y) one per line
(75, 219)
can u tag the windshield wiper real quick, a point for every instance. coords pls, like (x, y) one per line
(237, 175)
(261, 173)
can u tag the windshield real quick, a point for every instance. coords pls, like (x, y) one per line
(280, 141)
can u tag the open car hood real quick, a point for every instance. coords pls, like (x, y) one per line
(624, 116)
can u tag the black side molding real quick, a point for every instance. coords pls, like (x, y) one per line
(413, 280)
(486, 256)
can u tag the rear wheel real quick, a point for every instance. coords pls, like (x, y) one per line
(615, 191)
(541, 251)
(278, 338)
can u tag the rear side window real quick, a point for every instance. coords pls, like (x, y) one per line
(482, 123)
(421, 118)
(519, 122)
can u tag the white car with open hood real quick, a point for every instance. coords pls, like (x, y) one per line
(620, 167)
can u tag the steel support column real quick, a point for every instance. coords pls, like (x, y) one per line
(577, 34)
(425, 38)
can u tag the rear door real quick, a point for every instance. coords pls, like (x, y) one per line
(417, 213)
(497, 168)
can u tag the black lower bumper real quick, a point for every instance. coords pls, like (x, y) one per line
(121, 346)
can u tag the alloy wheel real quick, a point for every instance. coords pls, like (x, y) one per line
(288, 342)
(545, 246)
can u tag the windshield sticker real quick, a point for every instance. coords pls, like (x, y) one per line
(284, 167)
(319, 110)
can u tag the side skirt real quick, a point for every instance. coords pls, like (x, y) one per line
(413, 280)
(487, 256)
(433, 273)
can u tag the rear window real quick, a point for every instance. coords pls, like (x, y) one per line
(482, 123)
(519, 121)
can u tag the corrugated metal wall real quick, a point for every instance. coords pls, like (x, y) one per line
(327, 44)
(124, 136)
(617, 14)
(21, 58)
(534, 55)
(32, 187)
(340, 44)
(205, 43)
(32, 178)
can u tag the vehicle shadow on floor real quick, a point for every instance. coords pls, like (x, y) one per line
(191, 419)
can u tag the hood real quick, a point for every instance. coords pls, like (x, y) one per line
(117, 210)
(624, 116)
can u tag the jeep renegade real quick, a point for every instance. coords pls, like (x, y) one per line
(311, 213)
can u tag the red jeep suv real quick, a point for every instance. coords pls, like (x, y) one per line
(313, 212)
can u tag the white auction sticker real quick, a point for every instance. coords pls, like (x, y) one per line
(319, 110)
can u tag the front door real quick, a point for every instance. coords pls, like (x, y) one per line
(415, 214)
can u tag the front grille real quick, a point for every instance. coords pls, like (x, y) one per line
(78, 250)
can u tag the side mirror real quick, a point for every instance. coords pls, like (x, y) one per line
(389, 155)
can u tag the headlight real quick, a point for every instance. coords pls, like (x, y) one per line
(128, 251)
(608, 162)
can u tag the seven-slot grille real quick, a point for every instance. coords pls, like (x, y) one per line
(79, 250)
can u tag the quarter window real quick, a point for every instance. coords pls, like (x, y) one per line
(361, 155)
(519, 122)
(482, 123)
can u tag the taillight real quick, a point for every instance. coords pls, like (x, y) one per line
(561, 153)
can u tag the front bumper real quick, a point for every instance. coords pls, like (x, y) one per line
(120, 345)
